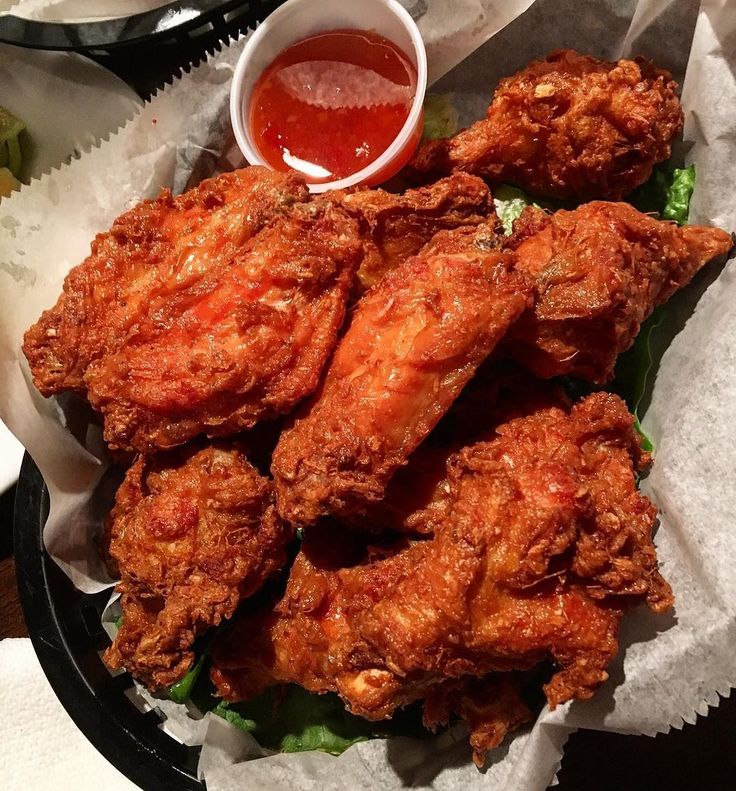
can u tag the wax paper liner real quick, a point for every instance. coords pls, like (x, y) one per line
(671, 668)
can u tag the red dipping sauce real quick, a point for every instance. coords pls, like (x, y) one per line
(332, 103)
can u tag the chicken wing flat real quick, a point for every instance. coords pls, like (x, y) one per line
(599, 271)
(243, 343)
(396, 227)
(151, 252)
(569, 126)
(547, 543)
(192, 533)
(414, 341)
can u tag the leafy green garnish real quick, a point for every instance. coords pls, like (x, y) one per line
(118, 621)
(10, 153)
(181, 691)
(440, 117)
(510, 202)
(677, 207)
(634, 371)
(667, 193)
(290, 719)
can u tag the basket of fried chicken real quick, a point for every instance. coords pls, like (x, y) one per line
(371, 443)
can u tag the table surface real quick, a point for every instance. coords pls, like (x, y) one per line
(699, 756)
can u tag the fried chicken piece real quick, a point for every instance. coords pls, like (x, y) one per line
(150, 254)
(510, 579)
(243, 343)
(491, 707)
(193, 532)
(570, 126)
(413, 342)
(599, 271)
(396, 227)
(417, 499)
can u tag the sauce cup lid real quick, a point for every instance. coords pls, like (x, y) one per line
(296, 20)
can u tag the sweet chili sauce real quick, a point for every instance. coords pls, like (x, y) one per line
(332, 103)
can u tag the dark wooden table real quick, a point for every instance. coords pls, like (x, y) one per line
(697, 757)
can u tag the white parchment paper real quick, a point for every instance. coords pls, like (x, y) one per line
(670, 668)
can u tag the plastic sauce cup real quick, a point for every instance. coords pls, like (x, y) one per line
(298, 19)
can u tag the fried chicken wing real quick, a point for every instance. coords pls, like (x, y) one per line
(193, 532)
(243, 343)
(599, 271)
(151, 252)
(511, 577)
(570, 126)
(396, 227)
(413, 342)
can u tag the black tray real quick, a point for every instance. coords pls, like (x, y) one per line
(67, 636)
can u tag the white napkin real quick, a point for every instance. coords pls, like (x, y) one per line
(41, 747)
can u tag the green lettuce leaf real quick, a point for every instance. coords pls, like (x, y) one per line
(634, 371)
(440, 117)
(290, 719)
(510, 202)
(182, 690)
(667, 193)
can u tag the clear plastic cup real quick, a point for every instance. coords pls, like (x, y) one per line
(299, 19)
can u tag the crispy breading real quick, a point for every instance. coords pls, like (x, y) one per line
(508, 580)
(417, 498)
(599, 272)
(396, 227)
(413, 343)
(491, 707)
(193, 532)
(150, 253)
(570, 126)
(245, 342)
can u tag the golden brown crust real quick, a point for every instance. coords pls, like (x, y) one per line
(242, 344)
(491, 707)
(413, 342)
(509, 578)
(150, 253)
(396, 227)
(570, 126)
(193, 532)
(599, 271)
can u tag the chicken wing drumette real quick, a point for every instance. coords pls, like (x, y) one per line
(570, 126)
(547, 542)
(193, 532)
(413, 343)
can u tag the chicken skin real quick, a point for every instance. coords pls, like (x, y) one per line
(417, 499)
(396, 227)
(599, 272)
(547, 542)
(151, 252)
(193, 532)
(413, 343)
(243, 343)
(568, 127)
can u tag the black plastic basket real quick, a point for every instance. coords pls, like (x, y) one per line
(65, 628)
